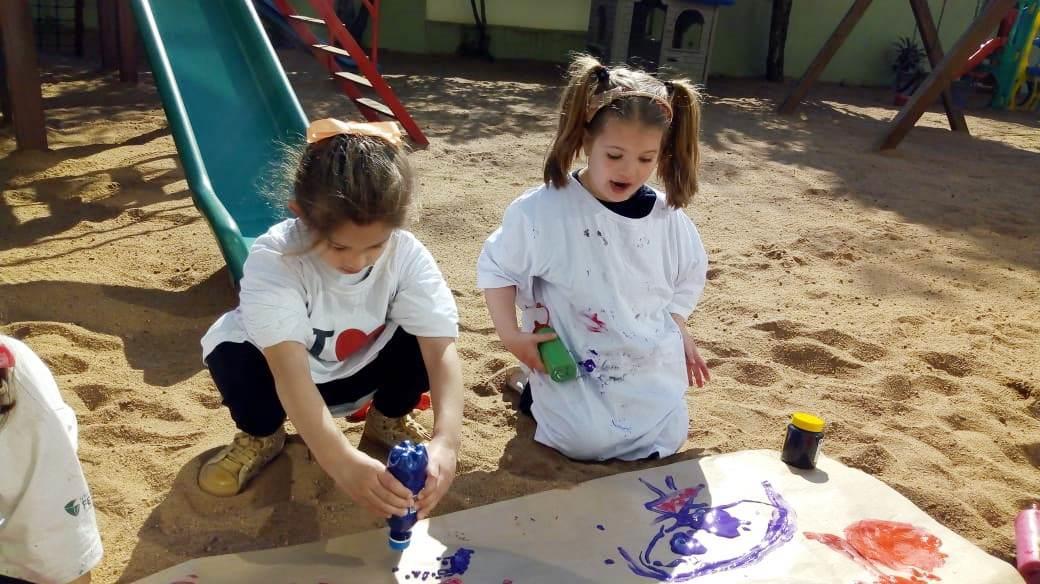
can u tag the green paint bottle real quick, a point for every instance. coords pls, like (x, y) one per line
(559, 363)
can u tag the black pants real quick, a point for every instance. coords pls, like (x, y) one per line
(526, 401)
(240, 371)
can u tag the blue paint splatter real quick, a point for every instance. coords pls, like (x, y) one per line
(685, 544)
(608, 561)
(455, 564)
(689, 517)
(588, 365)
(600, 527)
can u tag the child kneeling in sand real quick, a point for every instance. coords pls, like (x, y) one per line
(614, 266)
(340, 306)
(48, 531)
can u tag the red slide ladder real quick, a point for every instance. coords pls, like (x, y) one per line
(367, 76)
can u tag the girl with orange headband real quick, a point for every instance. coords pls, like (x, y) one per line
(611, 264)
(340, 306)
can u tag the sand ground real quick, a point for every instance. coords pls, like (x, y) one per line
(898, 296)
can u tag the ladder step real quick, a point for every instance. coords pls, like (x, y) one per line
(375, 105)
(353, 78)
(302, 18)
(331, 49)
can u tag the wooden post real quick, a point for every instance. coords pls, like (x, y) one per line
(108, 28)
(932, 45)
(824, 56)
(778, 25)
(23, 75)
(127, 42)
(942, 74)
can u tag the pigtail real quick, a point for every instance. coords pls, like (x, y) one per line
(680, 154)
(585, 78)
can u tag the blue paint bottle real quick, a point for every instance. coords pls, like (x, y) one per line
(407, 462)
(802, 443)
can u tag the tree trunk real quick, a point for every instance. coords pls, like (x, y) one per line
(777, 39)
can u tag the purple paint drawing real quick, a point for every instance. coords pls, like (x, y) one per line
(697, 539)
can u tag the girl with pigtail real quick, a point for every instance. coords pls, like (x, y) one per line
(614, 266)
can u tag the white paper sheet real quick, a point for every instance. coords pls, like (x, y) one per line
(739, 517)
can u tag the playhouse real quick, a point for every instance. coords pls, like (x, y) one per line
(655, 34)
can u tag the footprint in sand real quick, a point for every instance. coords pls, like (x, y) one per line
(955, 365)
(972, 424)
(898, 387)
(1024, 388)
(95, 395)
(75, 335)
(859, 349)
(65, 364)
(1032, 452)
(780, 329)
(746, 371)
(210, 400)
(871, 458)
(936, 385)
(721, 350)
(786, 329)
(141, 409)
(813, 359)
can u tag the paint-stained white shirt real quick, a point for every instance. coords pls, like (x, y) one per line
(290, 294)
(608, 285)
(48, 530)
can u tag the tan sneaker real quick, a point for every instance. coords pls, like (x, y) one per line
(227, 473)
(390, 431)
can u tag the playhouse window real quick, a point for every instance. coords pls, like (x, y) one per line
(649, 16)
(688, 30)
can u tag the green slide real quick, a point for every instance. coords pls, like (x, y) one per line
(229, 106)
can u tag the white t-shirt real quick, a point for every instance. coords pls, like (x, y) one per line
(289, 294)
(49, 531)
(608, 285)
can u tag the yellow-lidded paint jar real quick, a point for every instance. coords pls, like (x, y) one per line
(803, 440)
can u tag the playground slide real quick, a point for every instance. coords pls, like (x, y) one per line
(229, 106)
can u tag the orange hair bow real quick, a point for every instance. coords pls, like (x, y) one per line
(320, 130)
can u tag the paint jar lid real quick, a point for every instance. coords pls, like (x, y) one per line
(807, 422)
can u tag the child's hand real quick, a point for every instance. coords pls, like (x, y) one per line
(368, 482)
(696, 369)
(525, 347)
(440, 473)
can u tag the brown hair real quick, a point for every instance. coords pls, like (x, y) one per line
(680, 153)
(350, 177)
